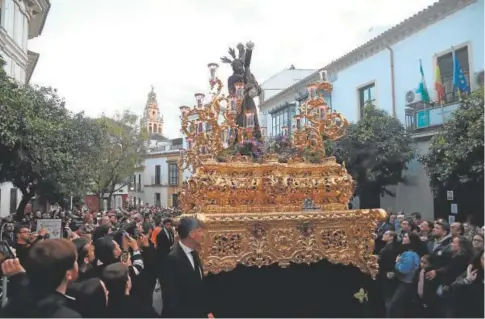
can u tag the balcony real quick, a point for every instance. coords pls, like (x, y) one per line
(164, 148)
(157, 182)
(423, 117)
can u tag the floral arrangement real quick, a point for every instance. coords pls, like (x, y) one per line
(250, 148)
(280, 145)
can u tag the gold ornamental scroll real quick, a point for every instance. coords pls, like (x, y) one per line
(282, 238)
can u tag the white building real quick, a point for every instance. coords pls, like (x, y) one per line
(385, 69)
(20, 20)
(157, 181)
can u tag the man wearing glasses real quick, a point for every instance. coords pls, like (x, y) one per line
(25, 240)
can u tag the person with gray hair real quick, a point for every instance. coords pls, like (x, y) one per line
(181, 279)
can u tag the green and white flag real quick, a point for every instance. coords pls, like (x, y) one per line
(422, 89)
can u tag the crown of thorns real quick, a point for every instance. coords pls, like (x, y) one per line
(232, 53)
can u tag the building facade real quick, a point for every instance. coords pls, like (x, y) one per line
(157, 180)
(386, 71)
(20, 20)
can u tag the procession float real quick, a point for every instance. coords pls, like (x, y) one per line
(279, 237)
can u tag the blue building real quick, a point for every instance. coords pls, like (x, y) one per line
(385, 70)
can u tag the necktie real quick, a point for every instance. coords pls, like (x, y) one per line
(196, 258)
(170, 234)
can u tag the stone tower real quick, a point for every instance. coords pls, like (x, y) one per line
(152, 120)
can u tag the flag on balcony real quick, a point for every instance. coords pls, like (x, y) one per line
(438, 85)
(422, 89)
(459, 79)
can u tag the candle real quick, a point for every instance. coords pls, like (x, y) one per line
(184, 110)
(323, 111)
(285, 130)
(249, 119)
(312, 91)
(212, 69)
(199, 97)
(189, 143)
(298, 121)
(232, 103)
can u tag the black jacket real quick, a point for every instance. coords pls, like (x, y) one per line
(54, 305)
(24, 302)
(164, 243)
(128, 307)
(183, 291)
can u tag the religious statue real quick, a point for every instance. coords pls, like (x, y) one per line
(241, 73)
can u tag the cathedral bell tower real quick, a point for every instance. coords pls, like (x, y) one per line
(152, 120)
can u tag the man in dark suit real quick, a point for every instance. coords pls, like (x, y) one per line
(183, 291)
(164, 240)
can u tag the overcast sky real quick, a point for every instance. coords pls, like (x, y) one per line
(103, 55)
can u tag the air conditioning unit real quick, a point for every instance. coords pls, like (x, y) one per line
(411, 97)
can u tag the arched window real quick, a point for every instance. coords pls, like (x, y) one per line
(160, 129)
(149, 128)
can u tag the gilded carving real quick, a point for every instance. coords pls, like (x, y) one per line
(282, 238)
(226, 244)
(266, 209)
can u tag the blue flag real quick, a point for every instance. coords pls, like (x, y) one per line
(459, 79)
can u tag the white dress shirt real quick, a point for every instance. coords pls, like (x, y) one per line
(188, 252)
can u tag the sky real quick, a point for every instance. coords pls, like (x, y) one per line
(103, 56)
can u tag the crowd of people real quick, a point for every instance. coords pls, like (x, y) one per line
(430, 269)
(106, 264)
(118, 263)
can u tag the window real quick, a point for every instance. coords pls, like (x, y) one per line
(445, 62)
(26, 33)
(13, 200)
(175, 200)
(157, 199)
(173, 174)
(157, 174)
(139, 182)
(279, 119)
(134, 182)
(9, 15)
(19, 28)
(367, 94)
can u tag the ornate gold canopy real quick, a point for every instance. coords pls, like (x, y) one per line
(253, 203)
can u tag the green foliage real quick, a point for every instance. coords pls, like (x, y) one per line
(122, 146)
(45, 149)
(42, 144)
(455, 156)
(375, 150)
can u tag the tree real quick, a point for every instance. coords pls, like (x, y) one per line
(45, 148)
(42, 146)
(455, 156)
(375, 151)
(122, 147)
